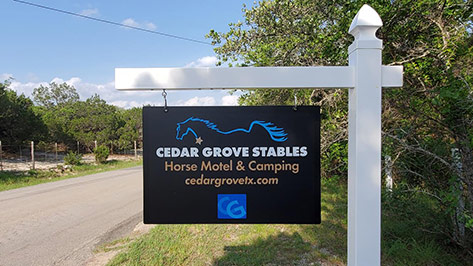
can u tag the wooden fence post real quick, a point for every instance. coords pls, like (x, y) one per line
(32, 155)
(55, 146)
(136, 153)
(1, 156)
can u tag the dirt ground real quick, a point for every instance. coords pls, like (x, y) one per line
(106, 252)
(21, 165)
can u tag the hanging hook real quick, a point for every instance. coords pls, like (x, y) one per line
(165, 101)
(295, 101)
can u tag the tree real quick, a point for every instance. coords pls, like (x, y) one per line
(431, 117)
(54, 106)
(296, 33)
(57, 119)
(18, 122)
(55, 95)
(423, 123)
(132, 128)
(93, 120)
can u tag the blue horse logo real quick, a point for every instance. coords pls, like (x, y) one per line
(185, 127)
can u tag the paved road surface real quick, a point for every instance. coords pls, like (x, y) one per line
(60, 223)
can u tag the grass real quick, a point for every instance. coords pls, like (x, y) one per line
(16, 179)
(412, 229)
(246, 244)
(325, 244)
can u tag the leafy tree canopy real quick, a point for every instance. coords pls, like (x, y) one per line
(55, 94)
(423, 122)
(18, 122)
(93, 120)
(132, 128)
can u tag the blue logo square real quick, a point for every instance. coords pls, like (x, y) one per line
(231, 206)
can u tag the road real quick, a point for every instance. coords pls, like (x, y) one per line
(60, 223)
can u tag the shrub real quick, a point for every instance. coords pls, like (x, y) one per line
(101, 154)
(32, 172)
(72, 158)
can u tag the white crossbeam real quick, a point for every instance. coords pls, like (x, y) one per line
(244, 78)
(391, 76)
(232, 78)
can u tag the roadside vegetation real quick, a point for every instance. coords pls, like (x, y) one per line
(16, 179)
(427, 124)
(56, 115)
(324, 244)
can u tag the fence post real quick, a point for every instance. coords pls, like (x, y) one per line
(1, 156)
(457, 187)
(32, 155)
(364, 141)
(136, 153)
(111, 147)
(389, 173)
(55, 146)
(95, 143)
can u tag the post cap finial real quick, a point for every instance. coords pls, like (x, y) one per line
(366, 17)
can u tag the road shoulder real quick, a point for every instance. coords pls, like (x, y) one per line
(111, 244)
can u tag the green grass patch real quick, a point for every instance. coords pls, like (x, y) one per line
(412, 232)
(211, 244)
(403, 243)
(16, 179)
(216, 244)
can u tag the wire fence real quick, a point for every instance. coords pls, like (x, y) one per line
(50, 155)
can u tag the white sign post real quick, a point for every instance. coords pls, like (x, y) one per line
(364, 76)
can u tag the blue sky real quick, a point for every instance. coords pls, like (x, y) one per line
(40, 46)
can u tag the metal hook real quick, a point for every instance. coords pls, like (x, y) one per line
(165, 101)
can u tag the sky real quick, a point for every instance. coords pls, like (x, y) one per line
(41, 46)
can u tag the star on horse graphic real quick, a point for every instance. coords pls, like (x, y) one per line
(185, 128)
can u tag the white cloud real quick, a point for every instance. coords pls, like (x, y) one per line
(130, 22)
(25, 88)
(198, 101)
(130, 104)
(72, 81)
(149, 26)
(133, 23)
(89, 12)
(206, 61)
(106, 91)
(130, 99)
(5, 76)
(230, 100)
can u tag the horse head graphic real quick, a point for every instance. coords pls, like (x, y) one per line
(187, 126)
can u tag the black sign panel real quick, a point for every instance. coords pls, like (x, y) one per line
(231, 165)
